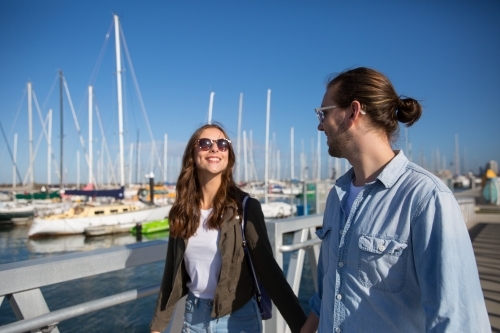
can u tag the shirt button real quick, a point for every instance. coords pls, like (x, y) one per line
(381, 248)
(341, 264)
(339, 297)
(341, 231)
(337, 329)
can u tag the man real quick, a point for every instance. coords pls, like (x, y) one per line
(395, 255)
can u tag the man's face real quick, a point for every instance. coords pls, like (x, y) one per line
(335, 126)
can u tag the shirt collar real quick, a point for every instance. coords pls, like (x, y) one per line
(391, 173)
(394, 169)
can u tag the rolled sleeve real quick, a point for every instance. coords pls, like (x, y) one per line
(315, 304)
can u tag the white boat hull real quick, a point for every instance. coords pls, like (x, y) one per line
(278, 209)
(77, 225)
(12, 210)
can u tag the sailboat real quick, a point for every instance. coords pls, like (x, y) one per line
(11, 211)
(112, 218)
(101, 219)
(275, 209)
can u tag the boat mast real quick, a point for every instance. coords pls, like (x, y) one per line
(91, 175)
(139, 181)
(130, 158)
(292, 174)
(302, 162)
(30, 129)
(238, 165)
(13, 158)
(210, 107)
(266, 171)
(101, 174)
(119, 91)
(138, 147)
(252, 162)
(278, 165)
(49, 149)
(14, 165)
(272, 150)
(62, 133)
(245, 152)
(165, 146)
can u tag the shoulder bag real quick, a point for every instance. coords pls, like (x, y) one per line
(262, 297)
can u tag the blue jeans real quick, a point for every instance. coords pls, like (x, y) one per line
(197, 318)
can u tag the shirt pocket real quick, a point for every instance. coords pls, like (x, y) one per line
(325, 235)
(382, 263)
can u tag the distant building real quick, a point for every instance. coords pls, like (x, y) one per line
(493, 165)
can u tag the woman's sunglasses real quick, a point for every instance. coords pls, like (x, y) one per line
(205, 144)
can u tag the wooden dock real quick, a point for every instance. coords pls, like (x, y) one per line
(485, 237)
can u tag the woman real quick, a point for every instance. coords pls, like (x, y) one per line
(205, 257)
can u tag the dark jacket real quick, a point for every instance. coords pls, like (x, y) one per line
(235, 286)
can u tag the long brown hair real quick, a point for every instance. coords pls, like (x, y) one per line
(377, 97)
(184, 217)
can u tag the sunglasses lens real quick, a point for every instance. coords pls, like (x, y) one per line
(205, 144)
(222, 144)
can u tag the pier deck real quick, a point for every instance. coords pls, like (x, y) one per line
(485, 237)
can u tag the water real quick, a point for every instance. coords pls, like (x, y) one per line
(133, 316)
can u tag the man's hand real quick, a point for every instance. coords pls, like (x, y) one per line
(311, 324)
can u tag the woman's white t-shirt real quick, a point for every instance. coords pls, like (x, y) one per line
(203, 260)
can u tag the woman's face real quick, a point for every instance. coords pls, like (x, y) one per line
(212, 161)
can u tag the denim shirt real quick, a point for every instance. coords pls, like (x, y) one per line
(400, 261)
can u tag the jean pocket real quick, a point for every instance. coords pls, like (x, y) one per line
(189, 305)
(382, 263)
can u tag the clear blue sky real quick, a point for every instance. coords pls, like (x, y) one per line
(444, 53)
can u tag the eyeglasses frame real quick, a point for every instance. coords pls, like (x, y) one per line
(212, 143)
(321, 114)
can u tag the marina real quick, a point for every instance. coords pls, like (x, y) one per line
(88, 173)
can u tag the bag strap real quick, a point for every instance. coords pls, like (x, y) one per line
(247, 253)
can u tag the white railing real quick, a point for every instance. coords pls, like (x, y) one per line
(468, 208)
(20, 283)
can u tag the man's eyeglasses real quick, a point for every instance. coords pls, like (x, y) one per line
(320, 112)
(205, 144)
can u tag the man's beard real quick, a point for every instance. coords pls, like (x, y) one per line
(338, 143)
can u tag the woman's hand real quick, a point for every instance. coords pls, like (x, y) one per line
(311, 324)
